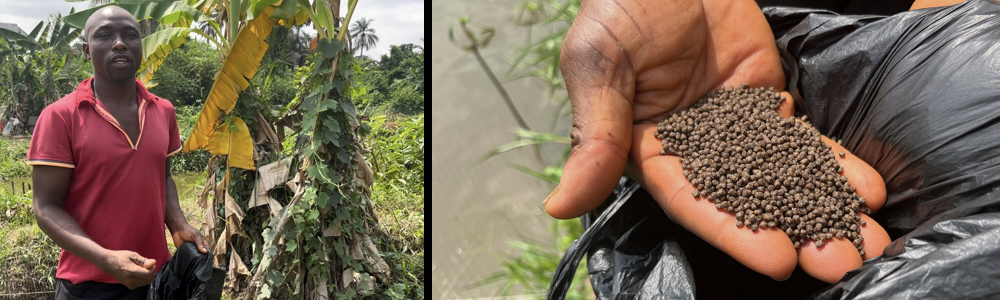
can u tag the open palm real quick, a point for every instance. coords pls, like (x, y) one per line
(628, 64)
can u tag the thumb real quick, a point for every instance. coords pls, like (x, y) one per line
(146, 263)
(602, 131)
(202, 245)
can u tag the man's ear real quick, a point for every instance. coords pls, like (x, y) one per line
(86, 51)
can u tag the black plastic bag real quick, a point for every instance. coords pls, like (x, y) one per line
(188, 275)
(917, 96)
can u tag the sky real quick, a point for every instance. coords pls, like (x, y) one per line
(396, 22)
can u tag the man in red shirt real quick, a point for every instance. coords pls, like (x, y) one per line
(101, 169)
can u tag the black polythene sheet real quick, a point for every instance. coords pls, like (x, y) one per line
(188, 275)
(917, 96)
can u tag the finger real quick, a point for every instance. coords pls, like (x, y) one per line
(866, 181)
(787, 108)
(602, 125)
(767, 251)
(839, 255)
(875, 238)
(829, 262)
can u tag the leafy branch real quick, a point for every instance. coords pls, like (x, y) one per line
(478, 42)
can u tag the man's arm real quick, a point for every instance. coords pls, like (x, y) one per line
(179, 228)
(51, 184)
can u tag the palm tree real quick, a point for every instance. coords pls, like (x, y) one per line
(364, 35)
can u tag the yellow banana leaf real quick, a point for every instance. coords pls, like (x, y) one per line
(240, 65)
(156, 46)
(238, 144)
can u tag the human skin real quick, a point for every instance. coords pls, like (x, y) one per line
(628, 64)
(111, 33)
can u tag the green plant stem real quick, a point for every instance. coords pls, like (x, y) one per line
(506, 99)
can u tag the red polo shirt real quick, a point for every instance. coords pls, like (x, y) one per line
(118, 189)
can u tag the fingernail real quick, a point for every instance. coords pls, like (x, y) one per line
(554, 191)
(786, 278)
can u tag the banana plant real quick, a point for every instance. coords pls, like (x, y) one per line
(32, 66)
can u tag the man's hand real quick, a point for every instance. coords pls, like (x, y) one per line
(129, 268)
(187, 233)
(628, 64)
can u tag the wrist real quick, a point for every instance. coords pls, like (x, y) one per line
(175, 223)
(102, 259)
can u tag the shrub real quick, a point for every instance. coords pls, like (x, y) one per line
(195, 161)
(13, 155)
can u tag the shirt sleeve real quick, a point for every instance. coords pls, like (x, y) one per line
(175, 136)
(51, 143)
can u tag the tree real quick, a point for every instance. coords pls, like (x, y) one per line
(364, 35)
(187, 74)
(38, 68)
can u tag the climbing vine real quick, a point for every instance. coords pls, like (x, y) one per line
(302, 222)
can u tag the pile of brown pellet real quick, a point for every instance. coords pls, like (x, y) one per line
(770, 172)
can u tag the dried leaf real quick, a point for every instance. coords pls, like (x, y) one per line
(268, 131)
(233, 209)
(364, 173)
(220, 248)
(333, 230)
(234, 216)
(220, 189)
(294, 183)
(271, 175)
(320, 291)
(256, 154)
(348, 278)
(356, 250)
(275, 207)
(236, 144)
(258, 199)
(376, 264)
(207, 189)
(209, 221)
(237, 270)
(236, 263)
(369, 281)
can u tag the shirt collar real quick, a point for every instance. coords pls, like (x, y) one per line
(86, 94)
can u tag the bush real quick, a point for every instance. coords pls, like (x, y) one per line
(13, 155)
(187, 74)
(397, 157)
(28, 256)
(397, 144)
(194, 161)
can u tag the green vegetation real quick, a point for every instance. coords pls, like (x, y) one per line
(38, 69)
(27, 256)
(394, 83)
(397, 144)
(13, 153)
(194, 161)
(533, 267)
(187, 74)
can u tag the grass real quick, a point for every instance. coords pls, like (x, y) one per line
(188, 186)
(398, 162)
(401, 218)
(27, 256)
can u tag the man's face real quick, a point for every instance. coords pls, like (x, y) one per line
(113, 44)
